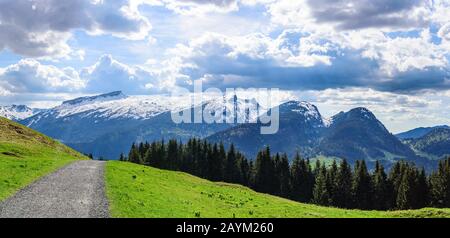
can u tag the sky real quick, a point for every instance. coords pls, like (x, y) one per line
(389, 56)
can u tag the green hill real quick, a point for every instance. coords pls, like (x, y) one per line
(435, 144)
(141, 191)
(26, 155)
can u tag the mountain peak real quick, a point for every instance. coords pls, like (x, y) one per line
(419, 132)
(20, 108)
(362, 112)
(17, 112)
(303, 109)
(296, 104)
(102, 97)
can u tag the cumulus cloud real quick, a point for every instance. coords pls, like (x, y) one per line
(402, 54)
(198, 7)
(355, 14)
(110, 75)
(37, 28)
(295, 60)
(30, 76)
(351, 14)
(384, 101)
(444, 32)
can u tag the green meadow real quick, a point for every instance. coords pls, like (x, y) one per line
(26, 155)
(142, 191)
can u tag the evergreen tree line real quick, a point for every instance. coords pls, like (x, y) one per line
(337, 185)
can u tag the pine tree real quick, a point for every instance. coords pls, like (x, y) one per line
(141, 148)
(122, 157)
(440, 185)
(283, 173)
(263, 172)
(244, 170)
(343, 191)
(302, 180)
(298, 179)
(394, 179)
(231, 173)
(421, 192)
(320, 191)
(252, 175)
(172, 155)
(362, 187)
(381, 188)
(134, 156)
(215, 164)
(331, 182)
(317, 168)
(277, 174)
(404, 198)
(222, 160)
(158, 155)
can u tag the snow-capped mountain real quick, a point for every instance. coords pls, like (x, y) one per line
(353, 135)
(93, 124)
(17, 112)
(106, 125)
(305, 111)
(115, 105)
(300, 127)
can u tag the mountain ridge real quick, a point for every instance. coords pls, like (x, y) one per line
(352, 135)
(435, 143)
(18, 112)
(93, 124)
(418, 132)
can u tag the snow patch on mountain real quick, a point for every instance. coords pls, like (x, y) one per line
(307, 110)
(103, 97)
(327, 122)
(135, 107)
(116, 105)
(17, 112)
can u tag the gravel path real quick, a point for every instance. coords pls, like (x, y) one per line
(76, 190)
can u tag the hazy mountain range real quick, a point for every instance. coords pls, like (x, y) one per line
(418, 132)
(107, 124)
(18, 112)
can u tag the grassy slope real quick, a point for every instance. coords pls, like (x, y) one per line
(140, 191)
(26, 155)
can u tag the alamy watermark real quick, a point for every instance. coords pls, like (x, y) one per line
(234, 106)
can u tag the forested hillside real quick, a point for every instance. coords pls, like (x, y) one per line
(403, 187)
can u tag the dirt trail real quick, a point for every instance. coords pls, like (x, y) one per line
(76, 190)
